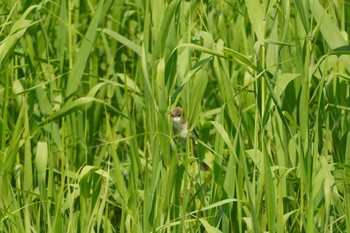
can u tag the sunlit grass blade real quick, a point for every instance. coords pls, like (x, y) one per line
(84, 51)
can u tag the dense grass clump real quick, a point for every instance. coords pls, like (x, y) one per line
(86, 139)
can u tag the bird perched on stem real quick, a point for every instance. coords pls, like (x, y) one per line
(180, 127)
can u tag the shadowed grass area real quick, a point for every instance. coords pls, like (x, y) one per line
(87, 142)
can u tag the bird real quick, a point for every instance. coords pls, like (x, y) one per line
(180, 127)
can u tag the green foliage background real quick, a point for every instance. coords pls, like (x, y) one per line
(85, 137)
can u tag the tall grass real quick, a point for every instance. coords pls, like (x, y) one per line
(87, 143)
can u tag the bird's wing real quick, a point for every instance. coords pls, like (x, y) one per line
(195, 135)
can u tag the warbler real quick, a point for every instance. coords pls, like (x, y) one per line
(180, 127)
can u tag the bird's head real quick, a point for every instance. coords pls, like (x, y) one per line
(176, 112)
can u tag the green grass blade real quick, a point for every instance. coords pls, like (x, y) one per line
(84, 52)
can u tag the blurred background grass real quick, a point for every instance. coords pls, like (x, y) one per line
(86, 141)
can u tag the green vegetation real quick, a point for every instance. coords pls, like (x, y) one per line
(86, 140)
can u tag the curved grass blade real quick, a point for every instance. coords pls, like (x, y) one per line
(84, 52)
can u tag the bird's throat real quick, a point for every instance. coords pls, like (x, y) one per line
(180, 126)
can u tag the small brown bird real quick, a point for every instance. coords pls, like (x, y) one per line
(180, 127)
